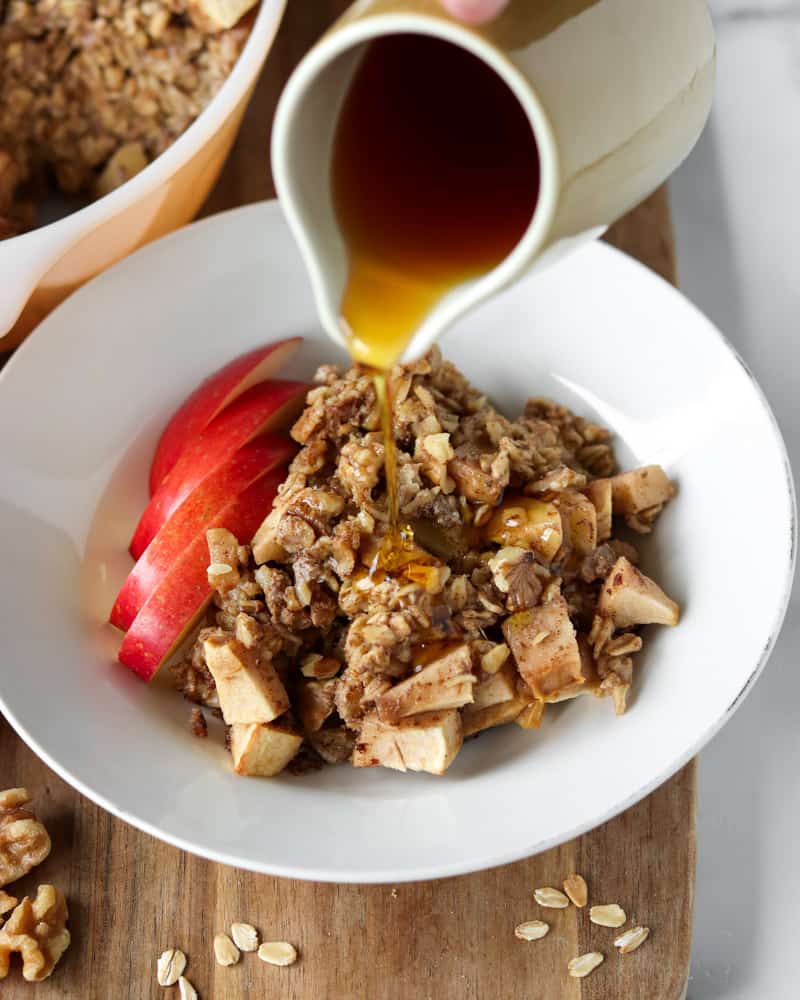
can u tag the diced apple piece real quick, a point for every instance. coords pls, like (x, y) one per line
(248, 690)
(265, 545)
(496, 688)
(212, 396)
(579, 521)
(428, 742)
(269, 406)
(531, 716)
(640, 489)
(628, 597)
(599, 492)
(545, 648)
(179, 600)
(476, 720)
(314, 703)
(494, 659)
(590, 683)
(262, 750)
(528, 524)
(377, 746)
(445, 683)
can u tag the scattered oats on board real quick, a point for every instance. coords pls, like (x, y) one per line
(531, 930)
(245, 937)
(584, 964)
(552, 898)
(577, 890)
(609, 915)
(170, 966)
(277, 953)
(631, 939)
(187, 991)
(225, 951)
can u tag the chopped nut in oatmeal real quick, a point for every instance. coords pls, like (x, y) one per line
(514, 593)
(37, 931)
(24, 842)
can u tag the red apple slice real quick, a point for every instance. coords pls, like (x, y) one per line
(211, 397)
(194, 516)
(176, 604)
(268, 406)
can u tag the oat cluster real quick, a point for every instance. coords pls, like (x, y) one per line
(93, 90)
(516, 593)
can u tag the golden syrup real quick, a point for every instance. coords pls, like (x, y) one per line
(435, 179)
(427, 652)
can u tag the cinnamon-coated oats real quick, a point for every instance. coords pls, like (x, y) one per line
(509, 578)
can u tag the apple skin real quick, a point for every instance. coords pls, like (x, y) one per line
(194, 516)
(179, 600)
(211, 397)
(269, 406)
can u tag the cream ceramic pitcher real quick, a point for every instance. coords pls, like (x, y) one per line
(616, 92)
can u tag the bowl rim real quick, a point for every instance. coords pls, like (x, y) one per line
(188, 143)
(490, 860)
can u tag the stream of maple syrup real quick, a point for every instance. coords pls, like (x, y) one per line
(435, 179)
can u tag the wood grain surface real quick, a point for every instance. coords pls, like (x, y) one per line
(130, 896)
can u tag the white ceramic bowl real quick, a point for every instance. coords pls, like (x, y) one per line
(40, 268)
(81, 405)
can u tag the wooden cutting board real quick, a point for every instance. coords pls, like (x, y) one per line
(130, 896)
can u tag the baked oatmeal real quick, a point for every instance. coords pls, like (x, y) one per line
(515, 593)
(92, 90)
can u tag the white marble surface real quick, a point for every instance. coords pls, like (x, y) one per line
(736, 205)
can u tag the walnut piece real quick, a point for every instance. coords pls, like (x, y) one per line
(37, 932)
(7, 904)
(514, 573)
(24, 842)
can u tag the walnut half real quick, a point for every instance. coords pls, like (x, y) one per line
(24, 842)
(515, 573)
(37, 931)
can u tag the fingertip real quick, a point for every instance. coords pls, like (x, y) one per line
(475, 11)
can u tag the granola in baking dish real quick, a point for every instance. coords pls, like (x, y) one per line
(92, 90)
(515, 593)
